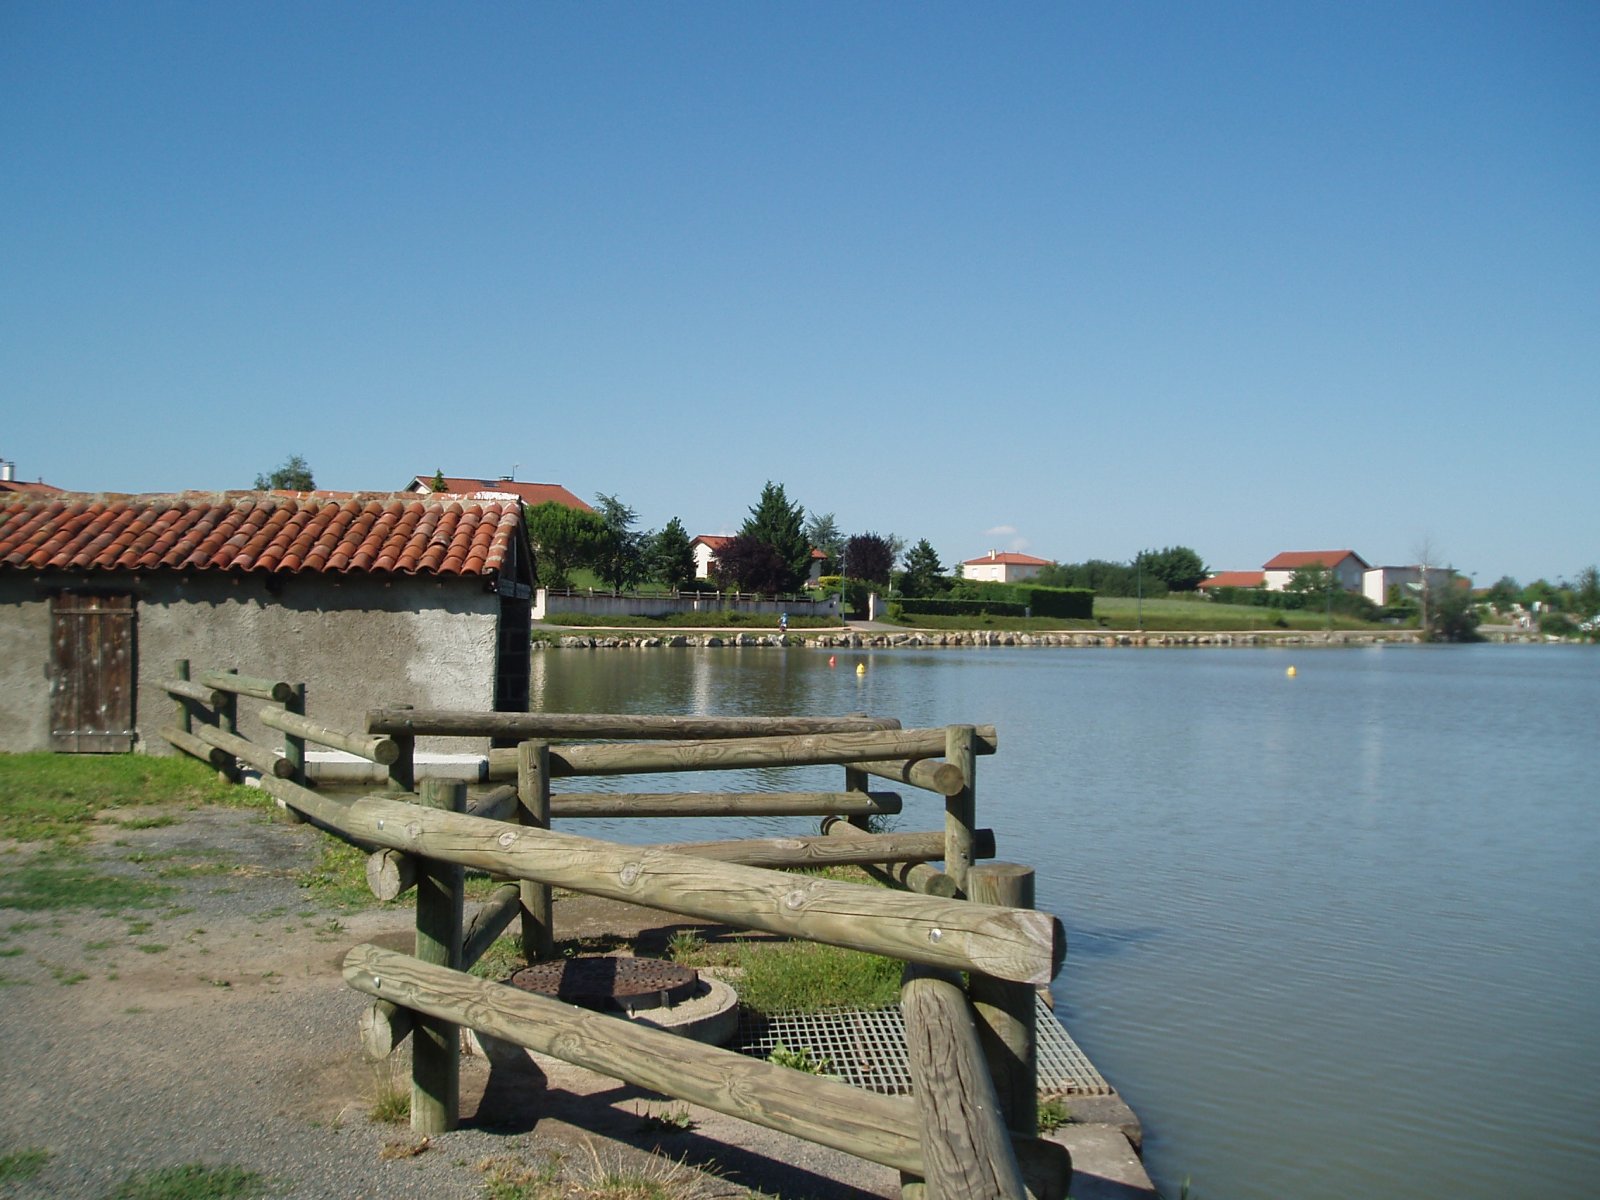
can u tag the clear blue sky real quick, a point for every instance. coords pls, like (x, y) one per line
(1068, 278)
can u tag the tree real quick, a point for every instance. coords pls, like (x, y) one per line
(1310, 586)
(1178, 567)
(748, 564)
(924, 573)
(823, 533)
(293, 476)
(672, 555)
(1586, 593)
(1503, 593)
(776, 523)
(563, 538)
(1452, 616)
(619, 559)
(869, 557)
(438, 484)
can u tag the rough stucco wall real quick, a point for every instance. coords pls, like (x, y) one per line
(355, 643)
(24, 667)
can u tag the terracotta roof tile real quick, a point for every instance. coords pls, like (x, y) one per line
(1235, 579)
(1290, 560)
(529, 493)
(289, 532)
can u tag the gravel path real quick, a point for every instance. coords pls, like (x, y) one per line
(213, 1026)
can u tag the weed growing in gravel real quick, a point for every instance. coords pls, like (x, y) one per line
(391, 1097)
(192, 1181)
(669, 1120)
(1053, 1114)
(22, 1164)
(600, 1178)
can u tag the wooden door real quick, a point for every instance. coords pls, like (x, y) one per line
(91, 673)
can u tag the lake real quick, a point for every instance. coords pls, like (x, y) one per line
(1333, 934)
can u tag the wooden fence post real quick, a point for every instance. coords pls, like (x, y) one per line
(1006, 1011)
(533, 808)
(960, 810)
(180, 669)
(435, 1046)
(228, 722)
(294, 747)
(403, 770)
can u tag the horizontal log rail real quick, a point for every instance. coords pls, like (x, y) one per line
(247, 752)
(930, 775)
(210, 697)
(724, 804)
(1016, 944)
(524, 727)
(649, 758)
(911, 876)
(246, 685)
(381, 750)
(189, 744)
(881, 1129)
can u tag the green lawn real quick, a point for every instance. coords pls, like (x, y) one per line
(56, 796)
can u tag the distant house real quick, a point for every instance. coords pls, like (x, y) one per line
(1377, 582)
(1346, 566)
(705, 549)
(1233, 579)
(529, 493)
(1008, 567)
(10, 483)
(367, 598)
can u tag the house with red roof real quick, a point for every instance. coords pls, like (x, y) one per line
(1347, 567)
(10, 483)
(1003, 567)
(529, 493)
(706, 545)
(1232, 579)
(366, 598)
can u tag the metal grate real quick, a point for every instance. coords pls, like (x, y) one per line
(867, 1048)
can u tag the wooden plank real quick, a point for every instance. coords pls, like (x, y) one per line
(737, 754)
(1009, 943)
(91, 672)
(879, 1128)
(247, 685)
(966, 1149)
(723, 804)
(381, 750)
(801, 853)
(551, 726)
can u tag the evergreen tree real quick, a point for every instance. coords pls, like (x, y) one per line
(620, 558)
(438, 484)
(823, 533)
(924, 574)
(672, 555)
(776, 523)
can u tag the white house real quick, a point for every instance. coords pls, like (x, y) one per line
(1347, 567)
(706, 545)
(1376, 581)
(1008, 567)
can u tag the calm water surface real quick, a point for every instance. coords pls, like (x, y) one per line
(1334, 935)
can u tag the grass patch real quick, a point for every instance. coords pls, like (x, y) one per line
(60, 880)
(21, 1165)
(192, 1181)
(1053, 1114)
(808, 977)
(340, 876)
(54, 797)
(601, 1177)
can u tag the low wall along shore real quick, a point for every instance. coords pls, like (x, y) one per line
(855, 640)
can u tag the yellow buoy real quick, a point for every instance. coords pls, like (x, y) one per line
(1291, 672)
(861, 668)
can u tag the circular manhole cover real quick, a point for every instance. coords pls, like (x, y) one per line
(627, 983)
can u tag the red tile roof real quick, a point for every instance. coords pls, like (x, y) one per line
(1016, 560)
(1291, 560)
(21, 485)
(1238, 579)
(288, 532)
(714, 540)
(530, 493)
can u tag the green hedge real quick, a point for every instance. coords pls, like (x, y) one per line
(1072, 604)
(962, 608)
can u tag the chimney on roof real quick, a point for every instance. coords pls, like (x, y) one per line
(994, 554)
(8, 470)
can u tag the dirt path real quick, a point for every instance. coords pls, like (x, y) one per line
(210, 1024)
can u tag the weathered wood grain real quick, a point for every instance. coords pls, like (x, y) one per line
(723, 804)
(1008, 943)
(246, 685)
(966, 1149)
(260, 757)
(930, 775)
(550, 726)
(381, 750)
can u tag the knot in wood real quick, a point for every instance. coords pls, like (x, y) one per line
(795, 899)
(506, 838)
(629, 873)
(414, 830)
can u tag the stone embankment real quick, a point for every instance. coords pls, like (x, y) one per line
(857, 640)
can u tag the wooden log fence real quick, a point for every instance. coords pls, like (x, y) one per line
(967, 1129)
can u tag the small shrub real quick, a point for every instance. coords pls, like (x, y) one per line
(1053, 1114)
(800, 1059)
